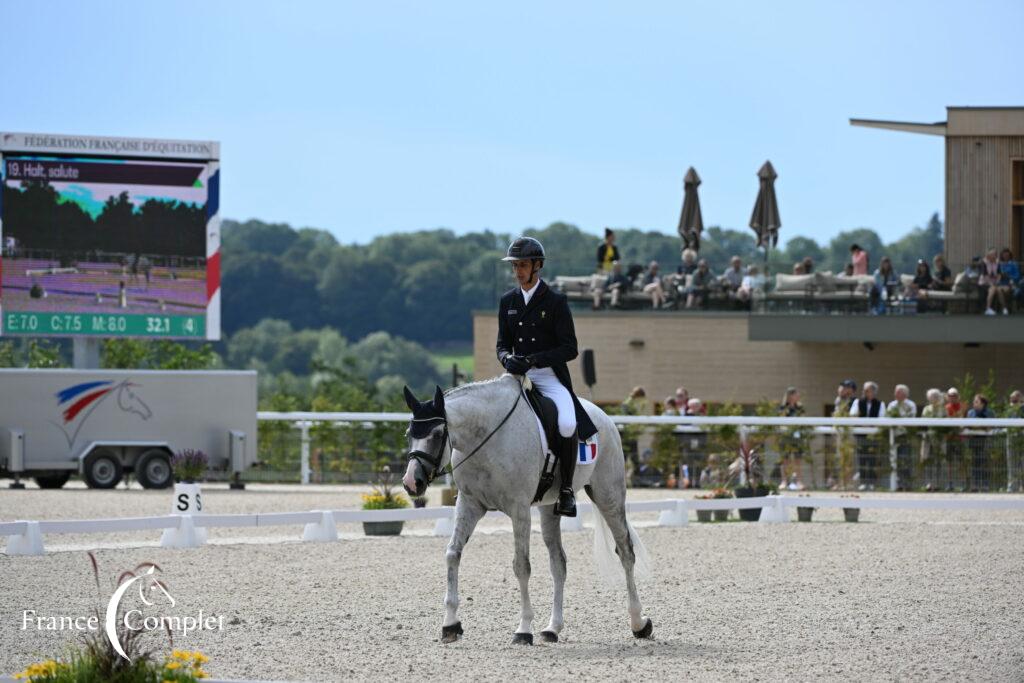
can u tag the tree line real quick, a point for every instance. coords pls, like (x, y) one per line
(423, 285)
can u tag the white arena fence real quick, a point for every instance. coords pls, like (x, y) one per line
(25, 537)
(806, 452)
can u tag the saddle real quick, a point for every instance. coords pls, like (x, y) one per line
(547, 413)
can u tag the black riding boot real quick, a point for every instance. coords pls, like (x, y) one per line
(567, 449)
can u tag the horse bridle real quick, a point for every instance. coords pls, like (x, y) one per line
(434, 460)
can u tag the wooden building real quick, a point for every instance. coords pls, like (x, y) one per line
(984, 177)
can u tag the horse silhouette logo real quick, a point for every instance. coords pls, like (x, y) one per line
(78, 402)
(148, 586)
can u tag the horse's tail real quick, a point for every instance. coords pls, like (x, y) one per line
(609, 566)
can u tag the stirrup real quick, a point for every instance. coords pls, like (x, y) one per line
(563, 507)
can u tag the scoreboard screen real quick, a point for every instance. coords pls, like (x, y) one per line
(112, 246)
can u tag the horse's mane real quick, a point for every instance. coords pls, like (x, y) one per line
(480, 384)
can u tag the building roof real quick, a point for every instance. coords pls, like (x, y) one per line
(961, 121)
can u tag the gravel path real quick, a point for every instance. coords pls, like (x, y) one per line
(919, 595)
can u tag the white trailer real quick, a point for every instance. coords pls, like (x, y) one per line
(104, 423)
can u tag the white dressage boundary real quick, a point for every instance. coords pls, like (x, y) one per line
(25, 537)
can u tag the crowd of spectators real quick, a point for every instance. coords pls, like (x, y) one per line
(994, 278)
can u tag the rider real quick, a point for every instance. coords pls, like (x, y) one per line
(536, 337)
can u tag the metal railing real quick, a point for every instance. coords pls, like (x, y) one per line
(795, 453)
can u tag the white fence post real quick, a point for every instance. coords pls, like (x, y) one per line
(445, 526)
(185, 535)
(774, 512)
(323, 531)
(894, 477)
(304, 426)
(28, 543)
(677, 516)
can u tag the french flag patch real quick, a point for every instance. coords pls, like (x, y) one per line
(588, 450)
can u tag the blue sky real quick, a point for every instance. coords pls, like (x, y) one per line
(369, 118)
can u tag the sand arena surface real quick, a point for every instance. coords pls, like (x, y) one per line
(919, 595)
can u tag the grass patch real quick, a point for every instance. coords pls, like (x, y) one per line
(460, 355)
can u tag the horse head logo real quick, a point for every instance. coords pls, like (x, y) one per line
(150, 588)
(128, 401)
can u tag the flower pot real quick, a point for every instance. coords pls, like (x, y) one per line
(851, 514)
(751, 514)
(722, 515)
(383, 528)
(804, 514)
(448, 496)
(704, 515)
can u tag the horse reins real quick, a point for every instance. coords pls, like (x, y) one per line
(435, 460)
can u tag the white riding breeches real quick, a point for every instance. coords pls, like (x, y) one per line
(544, 379)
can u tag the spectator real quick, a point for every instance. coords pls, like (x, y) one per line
(942, 275)
(1016, 406)
(732, 278)
(617, 283)
(682, 399)
(652, 286)
(844, 397)
(670, 407)
(923, 280)
(989, 280)
(886, 284)
(752, 282)
(901, 405)
(689, 264)
(979, 408)
(700, 285)
(636, 403)
(931, 443)
(1009, 275)
(607, 253)
(859, 259)
(798, 268)
(710, 476)
(867, 405)
(696, 407)
(954, 407)
(808, 264)
(790, 406)
(978, 445)
(848, 270)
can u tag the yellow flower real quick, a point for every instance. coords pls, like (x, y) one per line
(199, 673)
(200, 658)
(172, 665)
(180, 654)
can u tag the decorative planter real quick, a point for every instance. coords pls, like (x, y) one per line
(383, 528)
(751, 514)
(722, 515)
(804, 514)
(851, 514)
(704, 515)
(448, 496)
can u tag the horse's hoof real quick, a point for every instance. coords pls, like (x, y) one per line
(549, 636)
(450, 634)
(522, 639)
(646, 631)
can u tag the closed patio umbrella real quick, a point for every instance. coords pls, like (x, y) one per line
(765, 219)
(691, 223)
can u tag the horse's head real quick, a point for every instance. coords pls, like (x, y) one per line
(129, 402)
(428, 436)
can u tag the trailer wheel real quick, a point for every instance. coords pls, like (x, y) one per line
(102, 469)
(52, 481)
(153, 469)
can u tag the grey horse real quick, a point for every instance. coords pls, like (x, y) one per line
(491, 437)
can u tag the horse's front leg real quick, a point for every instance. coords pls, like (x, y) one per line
(467, 513)
(521, 566)
(551, 528)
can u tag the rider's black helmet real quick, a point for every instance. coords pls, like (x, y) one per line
(524, 248)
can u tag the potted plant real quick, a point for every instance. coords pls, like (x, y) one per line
(721, 493)
(704, 515)
(747, 471)
(851, 514)
(383, 497)
(189, 467)
(804, 512)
